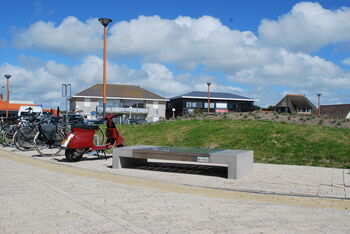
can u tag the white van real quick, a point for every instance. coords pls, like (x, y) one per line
(24, 110)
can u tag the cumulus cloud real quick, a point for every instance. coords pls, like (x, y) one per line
(278, 56)
(307, 27)
(346, 61)
(43, 84)
(294, 70)
(70, 37)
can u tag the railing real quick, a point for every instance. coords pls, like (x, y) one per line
(124, 110)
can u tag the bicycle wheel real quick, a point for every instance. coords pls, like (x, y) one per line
(46, 147)
(8, 136)
(24, 138)
(2, 133)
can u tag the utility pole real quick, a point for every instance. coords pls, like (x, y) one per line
(104, 22)
(7, 94)
(209, 83)
(319, 104)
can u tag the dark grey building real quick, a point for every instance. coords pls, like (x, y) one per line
(191, 102)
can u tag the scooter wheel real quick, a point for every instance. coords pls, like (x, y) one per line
(74, 155)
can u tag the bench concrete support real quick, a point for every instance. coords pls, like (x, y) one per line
(239, 162)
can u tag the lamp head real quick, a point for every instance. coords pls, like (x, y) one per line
(209, 83)
(7, 76)
(318, 94)
(104, 21)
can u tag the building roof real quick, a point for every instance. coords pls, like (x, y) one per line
(119, 91)
(336, 111)
(294, 101)
(12, 106)
(213, 95)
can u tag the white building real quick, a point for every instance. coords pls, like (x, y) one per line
(125, 101)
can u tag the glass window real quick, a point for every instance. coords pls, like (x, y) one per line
(212, 105)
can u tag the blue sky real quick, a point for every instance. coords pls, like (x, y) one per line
(260, 49)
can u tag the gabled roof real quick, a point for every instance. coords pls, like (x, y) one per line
(213, 95)
(119, 91)
(335, 111)
(294, 101)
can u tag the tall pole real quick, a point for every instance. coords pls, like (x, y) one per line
(208, 96)
(66, 92)
(104, 71)
(7, 94)
(319, 105)
(104, 22)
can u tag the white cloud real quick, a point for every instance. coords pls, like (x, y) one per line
(346, 61)
(277, 58)
(294, 70)
(307, 27)
(70, 37)
(43, 84)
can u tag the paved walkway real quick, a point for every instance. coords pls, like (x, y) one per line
(41, 196)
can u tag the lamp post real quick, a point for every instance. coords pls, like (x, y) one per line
(173, 113)
(130, 108)
(208, 96)
(7, 94)
(104, 22)
(319, 104)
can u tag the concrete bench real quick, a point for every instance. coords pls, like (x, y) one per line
(239, 162)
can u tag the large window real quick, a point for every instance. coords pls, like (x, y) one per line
(194, 105)
(212, 105)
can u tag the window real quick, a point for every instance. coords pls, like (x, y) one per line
(212, 105)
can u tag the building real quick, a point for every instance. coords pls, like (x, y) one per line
(125, 101)
(295, 104)
(12, 107)
(336, 111)
(191, 102)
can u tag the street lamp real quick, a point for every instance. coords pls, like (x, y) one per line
(104, 22)
(173, 113)
(208, 96)
(319, 104)
(7, 94)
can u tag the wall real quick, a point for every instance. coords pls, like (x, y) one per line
(87, 105)
(155, 113)
(156, 110)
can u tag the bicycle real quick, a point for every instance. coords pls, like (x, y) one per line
(48, 140)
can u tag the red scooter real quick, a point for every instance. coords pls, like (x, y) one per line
(81, 140)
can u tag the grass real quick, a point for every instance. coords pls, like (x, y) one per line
(272, 142)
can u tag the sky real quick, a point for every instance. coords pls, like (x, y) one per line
(262, 49)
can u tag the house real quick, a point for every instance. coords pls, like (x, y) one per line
(125, 101)
(295, 104)
(336, 111)
(191, 102)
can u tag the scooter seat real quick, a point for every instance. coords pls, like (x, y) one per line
(86, 127)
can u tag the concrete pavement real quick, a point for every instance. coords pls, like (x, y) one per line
(38, 197)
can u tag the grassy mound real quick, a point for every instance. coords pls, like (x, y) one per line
(272, 142)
